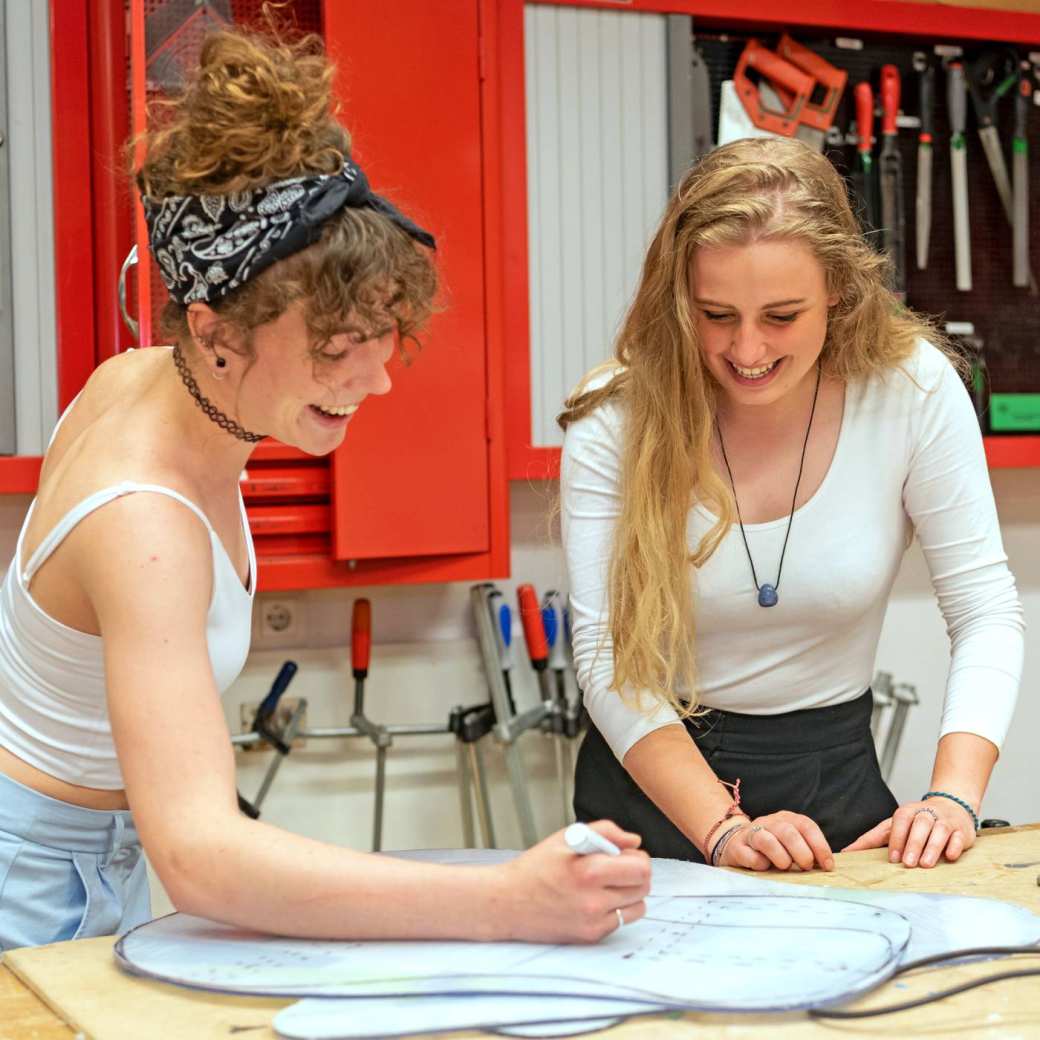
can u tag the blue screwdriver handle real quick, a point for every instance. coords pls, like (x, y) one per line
(502, 618)
(278, 687)
(552, 622)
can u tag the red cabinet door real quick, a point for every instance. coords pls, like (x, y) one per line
(412, 477)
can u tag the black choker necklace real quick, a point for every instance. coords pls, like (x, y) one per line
(212, 412)
(767, 594)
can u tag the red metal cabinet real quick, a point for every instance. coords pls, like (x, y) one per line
(419, 490)
(414, 112)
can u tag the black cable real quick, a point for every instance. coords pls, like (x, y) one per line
(975, 951)
(932, 998)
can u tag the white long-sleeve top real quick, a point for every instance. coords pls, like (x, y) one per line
(909, 459)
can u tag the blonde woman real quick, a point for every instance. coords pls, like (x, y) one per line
(126, 610)
(738, 490)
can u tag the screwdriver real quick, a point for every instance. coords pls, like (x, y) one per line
(864, 178)
(1020, 173)
(502, 622)
(892, 215)
(538, 651)
(956, 105)
(552, 622)
(926, 84)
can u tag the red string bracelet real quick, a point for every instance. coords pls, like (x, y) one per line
(733, 810)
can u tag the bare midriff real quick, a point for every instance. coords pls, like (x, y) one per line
(86, 797)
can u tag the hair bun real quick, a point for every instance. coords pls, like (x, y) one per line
(258, 108)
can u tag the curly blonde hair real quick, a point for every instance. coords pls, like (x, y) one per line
(258, 109)
(743, 192)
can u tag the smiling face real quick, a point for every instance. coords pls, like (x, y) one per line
(304, 400)
(761, 317)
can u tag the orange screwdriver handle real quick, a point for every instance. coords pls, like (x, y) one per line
(864, 117)
(534, 628)
(361, 637)
(889, 98)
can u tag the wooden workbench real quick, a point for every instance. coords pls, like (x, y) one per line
(79, 982)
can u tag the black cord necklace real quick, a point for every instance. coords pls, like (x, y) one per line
(212, 412)
(767, 594)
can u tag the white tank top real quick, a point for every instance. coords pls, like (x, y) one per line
(53, 707)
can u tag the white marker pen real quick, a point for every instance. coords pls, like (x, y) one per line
(583, 840)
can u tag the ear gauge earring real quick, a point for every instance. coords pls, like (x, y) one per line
(221, 367)
(221, 362)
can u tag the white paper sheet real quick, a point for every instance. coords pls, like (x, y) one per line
(712, 940)
(745, 952)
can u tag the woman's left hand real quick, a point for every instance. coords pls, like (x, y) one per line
(918, 833)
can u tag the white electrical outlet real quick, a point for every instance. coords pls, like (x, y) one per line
(278, 621)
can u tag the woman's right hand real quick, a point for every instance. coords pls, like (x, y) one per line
(782, 841)
(554, 895)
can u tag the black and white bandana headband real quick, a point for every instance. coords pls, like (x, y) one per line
(207, 246)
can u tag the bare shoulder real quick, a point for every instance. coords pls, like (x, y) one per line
(115, 381)
(142, 559)
(104, 438)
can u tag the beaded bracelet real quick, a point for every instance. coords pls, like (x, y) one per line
(733, 810)
(960, 801)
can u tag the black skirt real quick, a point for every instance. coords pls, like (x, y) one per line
(817, 761)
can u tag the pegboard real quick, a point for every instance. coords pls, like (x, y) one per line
(1006, 318)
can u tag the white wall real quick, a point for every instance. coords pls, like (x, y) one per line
(424, 661)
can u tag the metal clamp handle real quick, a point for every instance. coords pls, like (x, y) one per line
(130, 261)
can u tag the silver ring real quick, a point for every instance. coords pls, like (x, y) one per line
(620, 919)
(931, 812)
(754, 830)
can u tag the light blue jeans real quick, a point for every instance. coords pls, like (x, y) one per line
(66, 872)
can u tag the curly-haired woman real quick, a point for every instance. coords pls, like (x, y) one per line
(126, 610)
(738, 489)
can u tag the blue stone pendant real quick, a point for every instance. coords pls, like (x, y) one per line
(767, 596)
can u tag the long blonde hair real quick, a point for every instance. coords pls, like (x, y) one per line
(746, 191)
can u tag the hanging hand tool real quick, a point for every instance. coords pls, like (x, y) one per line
(538, 652)
(502, 620)
(956, 106)
(864, 183)
(923, 212)
(486, 603)
(470, 725)
(279, 739)
(552, 622)
(783, 117)
(816, 117)
(360, 651)
(990, 76)
(893, 218)
(1020, 173)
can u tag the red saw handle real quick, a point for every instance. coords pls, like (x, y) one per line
(361, 637)
(889, 98)
(832, 80)
(795, 85)
(534, 629)
(864, 117)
